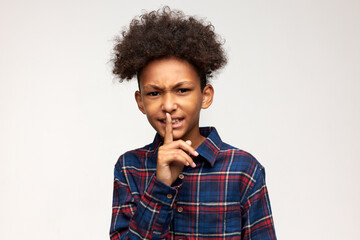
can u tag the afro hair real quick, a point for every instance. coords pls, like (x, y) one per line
(163, 34)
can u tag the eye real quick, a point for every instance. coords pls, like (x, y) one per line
(183, 90)
(153, 94)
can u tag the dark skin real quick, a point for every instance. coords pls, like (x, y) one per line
(171, 97)
(173, 156)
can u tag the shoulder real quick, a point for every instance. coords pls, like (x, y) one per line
(134, 157)
(238, 154)
(245, 167)
(226, 155)
(241, 160)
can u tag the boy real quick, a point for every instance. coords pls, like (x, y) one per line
(186, 184)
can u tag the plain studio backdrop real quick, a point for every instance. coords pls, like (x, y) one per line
(289, 95)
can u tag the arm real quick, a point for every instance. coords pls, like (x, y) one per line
(148, 216)
(256, 216)
(141, 217)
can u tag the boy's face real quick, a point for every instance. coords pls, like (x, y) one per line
(172, 85)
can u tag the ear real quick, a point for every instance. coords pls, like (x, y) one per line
(139, 102)
(207, 96)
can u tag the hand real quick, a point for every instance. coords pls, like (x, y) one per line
(173, 156)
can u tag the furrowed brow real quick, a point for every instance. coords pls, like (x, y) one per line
(152, 87)
(180, 84)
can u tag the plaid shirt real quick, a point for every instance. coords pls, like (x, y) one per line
(224, 197)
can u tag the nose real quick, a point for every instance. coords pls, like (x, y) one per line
(168, 103)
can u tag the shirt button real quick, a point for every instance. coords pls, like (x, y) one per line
(169, 196)
(180, 209)
(181, 176)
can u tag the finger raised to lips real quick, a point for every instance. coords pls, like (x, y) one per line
(168, 137)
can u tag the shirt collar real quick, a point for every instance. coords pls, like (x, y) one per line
(209, 148)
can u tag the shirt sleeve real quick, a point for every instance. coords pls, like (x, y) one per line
(141, 217)
(257, 220)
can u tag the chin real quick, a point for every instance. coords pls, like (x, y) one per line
(178, 135)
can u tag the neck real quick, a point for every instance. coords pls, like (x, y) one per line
(196, 138)
(197, 143)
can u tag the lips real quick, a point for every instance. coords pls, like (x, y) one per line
(175, 122)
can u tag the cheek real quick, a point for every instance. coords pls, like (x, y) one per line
(193, 106)
(150, 107)
(198, 100)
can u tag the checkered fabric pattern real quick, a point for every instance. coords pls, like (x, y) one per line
(224, 197)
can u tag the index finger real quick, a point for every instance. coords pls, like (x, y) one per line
(168, 137)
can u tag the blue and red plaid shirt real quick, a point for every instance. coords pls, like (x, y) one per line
(224, 197)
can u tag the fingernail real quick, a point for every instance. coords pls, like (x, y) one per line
(196, 153)
(188, 142)
(187, 164)
(193, 165)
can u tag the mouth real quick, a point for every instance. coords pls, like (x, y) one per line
(176, 122)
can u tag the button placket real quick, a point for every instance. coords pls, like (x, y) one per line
(180, 209)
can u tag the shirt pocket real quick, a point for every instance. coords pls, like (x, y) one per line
(233, 218)
(220, 218)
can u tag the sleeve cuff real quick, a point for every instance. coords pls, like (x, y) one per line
(162, 193)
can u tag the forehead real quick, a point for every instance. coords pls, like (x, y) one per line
(168, 72)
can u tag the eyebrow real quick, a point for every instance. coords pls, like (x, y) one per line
(159, 88)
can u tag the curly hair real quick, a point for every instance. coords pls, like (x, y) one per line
(167, 33)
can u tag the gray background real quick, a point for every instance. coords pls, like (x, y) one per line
(289, 95)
